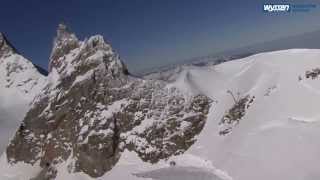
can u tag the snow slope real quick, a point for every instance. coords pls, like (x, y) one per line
(276, 138)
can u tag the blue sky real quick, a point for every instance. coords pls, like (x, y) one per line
(149, 33)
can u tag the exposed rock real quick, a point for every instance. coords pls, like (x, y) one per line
(314, 73)
(235, 114)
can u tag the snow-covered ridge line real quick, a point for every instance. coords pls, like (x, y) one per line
(169, 73)
(20, 82)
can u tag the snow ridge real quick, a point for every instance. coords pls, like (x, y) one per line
(20, 82)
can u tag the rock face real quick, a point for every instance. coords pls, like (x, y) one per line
(92, 109)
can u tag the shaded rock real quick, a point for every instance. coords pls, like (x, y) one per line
(235, 114)
(314, 73)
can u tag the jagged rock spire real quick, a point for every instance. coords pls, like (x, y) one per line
(64, 42)
(5, 46)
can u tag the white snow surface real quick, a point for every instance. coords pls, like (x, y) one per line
(277, 139)
(20, 82)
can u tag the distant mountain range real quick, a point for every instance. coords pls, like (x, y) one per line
(309, 40)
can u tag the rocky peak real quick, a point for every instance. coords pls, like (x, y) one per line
(97, 45)
(64, 42)
(73, 57)
(5, 46)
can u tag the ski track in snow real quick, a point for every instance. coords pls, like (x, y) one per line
(182, 173)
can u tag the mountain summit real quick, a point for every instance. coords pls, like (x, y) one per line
(67, 44)
(64, 42)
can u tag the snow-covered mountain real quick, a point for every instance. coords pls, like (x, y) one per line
(19, 83)
(92, 110)
(247, 119)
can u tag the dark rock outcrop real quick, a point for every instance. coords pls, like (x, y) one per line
(314, 73)
(235, 114)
